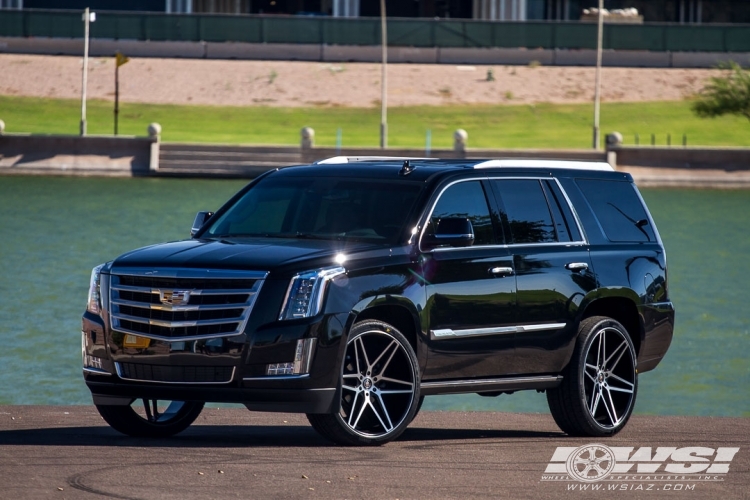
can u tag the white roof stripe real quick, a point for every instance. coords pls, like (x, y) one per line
(352, 159)
(573, 165)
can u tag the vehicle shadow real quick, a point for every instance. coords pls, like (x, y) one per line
(236, 436)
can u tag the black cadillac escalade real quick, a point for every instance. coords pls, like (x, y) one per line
(352, 288)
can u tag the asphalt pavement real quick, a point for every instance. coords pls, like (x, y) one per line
(66, 452)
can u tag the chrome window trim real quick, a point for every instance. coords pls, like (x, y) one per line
(572, 210)
(448, 333)
(583, 241)
(432, 209)
(119, 374)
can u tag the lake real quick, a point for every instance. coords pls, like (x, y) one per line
(53, 230)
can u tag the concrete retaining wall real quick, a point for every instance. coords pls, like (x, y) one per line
(347, 53)
(74, 155)
(138, 156)
(729, 159)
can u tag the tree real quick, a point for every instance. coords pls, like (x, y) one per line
(726, 94)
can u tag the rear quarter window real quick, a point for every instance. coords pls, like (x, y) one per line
(619, 210)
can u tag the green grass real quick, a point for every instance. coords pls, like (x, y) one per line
(498, 126)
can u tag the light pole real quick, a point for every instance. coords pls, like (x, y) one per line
(597, 84)
(88, 17)
(383, 80)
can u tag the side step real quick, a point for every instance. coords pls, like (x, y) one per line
(490, 385)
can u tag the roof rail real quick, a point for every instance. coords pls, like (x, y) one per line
(354, 159)
(526, 163)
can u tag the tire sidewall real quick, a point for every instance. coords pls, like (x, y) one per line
(586, 340)
(357, 331)
(127, 421)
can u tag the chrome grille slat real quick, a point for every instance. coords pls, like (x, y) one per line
(157, 307)
(177, 324)
(218, 291)
(219, 306)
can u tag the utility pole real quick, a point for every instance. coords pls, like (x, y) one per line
(384, 80)
(597, 85)
(88, 17)
(119, 61)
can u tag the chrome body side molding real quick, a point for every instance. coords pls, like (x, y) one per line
(447, 333)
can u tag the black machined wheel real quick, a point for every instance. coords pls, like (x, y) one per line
(151, 418)
(597, 394)
(379, 388)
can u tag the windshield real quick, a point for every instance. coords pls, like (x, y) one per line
(320, 208)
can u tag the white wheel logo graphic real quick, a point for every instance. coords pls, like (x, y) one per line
(590, 463)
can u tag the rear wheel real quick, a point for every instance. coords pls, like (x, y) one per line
(151, 418)
(597, 394)
(379, 388)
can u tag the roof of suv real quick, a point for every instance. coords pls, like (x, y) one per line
(420, 169)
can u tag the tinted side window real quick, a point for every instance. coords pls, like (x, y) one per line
(618, 208)
(525, 210)
(466, 199)
(565, 223)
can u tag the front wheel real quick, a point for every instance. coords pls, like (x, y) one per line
(597, 394)
(151, 418)
(379, 388)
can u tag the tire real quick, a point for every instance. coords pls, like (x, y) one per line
(599, 386)
(419, 407)
(379, 388)
(148, 421)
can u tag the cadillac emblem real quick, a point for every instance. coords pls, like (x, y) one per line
(174, 297)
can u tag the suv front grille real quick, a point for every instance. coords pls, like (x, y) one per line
(178, 305)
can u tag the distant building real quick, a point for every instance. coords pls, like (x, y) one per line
(670, 11)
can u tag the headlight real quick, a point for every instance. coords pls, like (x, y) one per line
(94, 304)
(304, 298)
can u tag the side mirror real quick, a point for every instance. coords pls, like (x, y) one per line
(452, 231)
(200, 219)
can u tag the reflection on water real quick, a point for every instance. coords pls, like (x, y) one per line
(54, 230)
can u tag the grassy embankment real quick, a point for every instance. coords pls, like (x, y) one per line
(499, 126)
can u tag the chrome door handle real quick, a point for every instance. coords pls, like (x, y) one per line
(576, 266)
(501, 271)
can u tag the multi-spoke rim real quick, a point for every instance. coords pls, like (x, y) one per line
(377, 384)
(152, 415)
(609, 377)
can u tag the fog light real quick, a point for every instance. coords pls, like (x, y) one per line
(136, 341)
(300, 365)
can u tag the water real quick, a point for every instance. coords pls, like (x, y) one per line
(54, 230)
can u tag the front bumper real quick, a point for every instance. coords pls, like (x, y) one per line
(292, 400)
(118, 373)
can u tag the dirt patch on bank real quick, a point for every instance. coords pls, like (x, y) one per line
(296, 84)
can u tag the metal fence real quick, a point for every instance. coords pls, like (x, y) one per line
(366, 31)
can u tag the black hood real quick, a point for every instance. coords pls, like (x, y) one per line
(260, 254)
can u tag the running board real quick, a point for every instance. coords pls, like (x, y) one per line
(489, 385)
